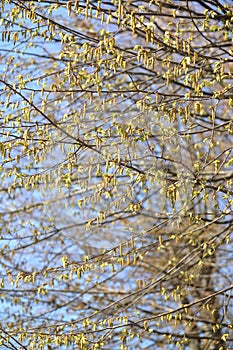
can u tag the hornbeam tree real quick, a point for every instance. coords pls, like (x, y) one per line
(116, 174)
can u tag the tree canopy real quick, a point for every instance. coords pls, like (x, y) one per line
(116, 174)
